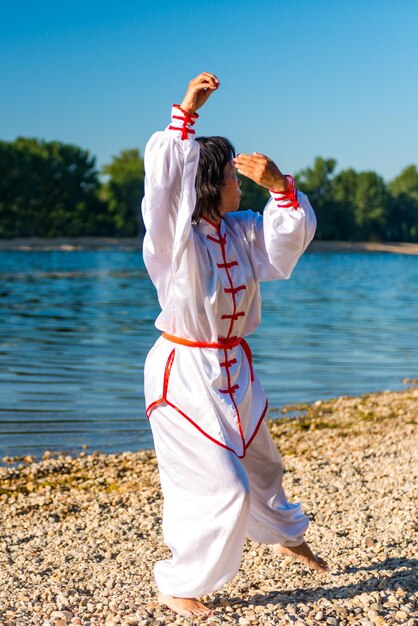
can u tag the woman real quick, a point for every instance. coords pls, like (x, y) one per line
(221, 474)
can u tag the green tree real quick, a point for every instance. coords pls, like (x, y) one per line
(49, 189)
(371, 207)
(317, 183)
(124, 190)
(403, 217)
(343, 202)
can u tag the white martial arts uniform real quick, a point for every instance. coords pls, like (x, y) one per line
(221, 474)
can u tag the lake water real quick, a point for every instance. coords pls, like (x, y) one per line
(75, 328)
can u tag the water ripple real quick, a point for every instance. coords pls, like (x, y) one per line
(75, 329)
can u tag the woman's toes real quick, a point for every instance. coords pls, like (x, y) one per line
(320, 564)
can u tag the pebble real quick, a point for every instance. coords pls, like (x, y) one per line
(65, 615)
(401, 615)
(80, 535)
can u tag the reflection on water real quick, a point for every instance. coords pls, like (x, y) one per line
(75, 328)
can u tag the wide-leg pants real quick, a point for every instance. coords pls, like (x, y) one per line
(212, 501)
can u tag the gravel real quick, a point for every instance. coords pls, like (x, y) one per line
(79, 536)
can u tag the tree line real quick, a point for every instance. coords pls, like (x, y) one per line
(53, 189)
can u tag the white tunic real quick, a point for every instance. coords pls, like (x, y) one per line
(207, 279)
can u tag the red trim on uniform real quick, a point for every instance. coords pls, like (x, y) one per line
(183, 118)
(233, 316)
(249, 356)
(184, 131)
(226, 266)
(211, 222)
(228, 363)
(234, 289)
(221, 240)
(287, 199)
(218, 443)
(257, 426)
(187, 119)
(167, 372)
(230, 390)
(194, 115)
(222, 344)
(152, 406)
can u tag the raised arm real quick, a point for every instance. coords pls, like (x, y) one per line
(280, 236)
(171, 159)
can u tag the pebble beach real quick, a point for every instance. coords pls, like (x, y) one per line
(79, 535)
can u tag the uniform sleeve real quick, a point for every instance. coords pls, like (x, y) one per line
(279, 237)
(171, 158)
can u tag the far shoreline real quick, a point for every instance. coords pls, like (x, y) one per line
(130, 244)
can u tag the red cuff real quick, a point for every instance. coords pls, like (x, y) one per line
(193, 115)
(287, 199)
(182, 121)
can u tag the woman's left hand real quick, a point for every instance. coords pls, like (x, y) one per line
(198, 91)
(261, 170)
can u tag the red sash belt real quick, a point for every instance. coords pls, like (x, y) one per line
(222, 344)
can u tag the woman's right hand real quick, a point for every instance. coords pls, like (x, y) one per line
(198, 91)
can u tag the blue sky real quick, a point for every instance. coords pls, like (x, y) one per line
(298, 78)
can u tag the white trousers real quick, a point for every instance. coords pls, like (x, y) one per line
(212, 501)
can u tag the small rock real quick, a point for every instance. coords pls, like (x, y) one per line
(61, 601)
(391, 605)
(401, 615)
(62, 615)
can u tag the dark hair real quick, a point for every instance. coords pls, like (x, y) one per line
(215, 154)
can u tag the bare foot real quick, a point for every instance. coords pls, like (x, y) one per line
(304, 554)
(184, 606)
